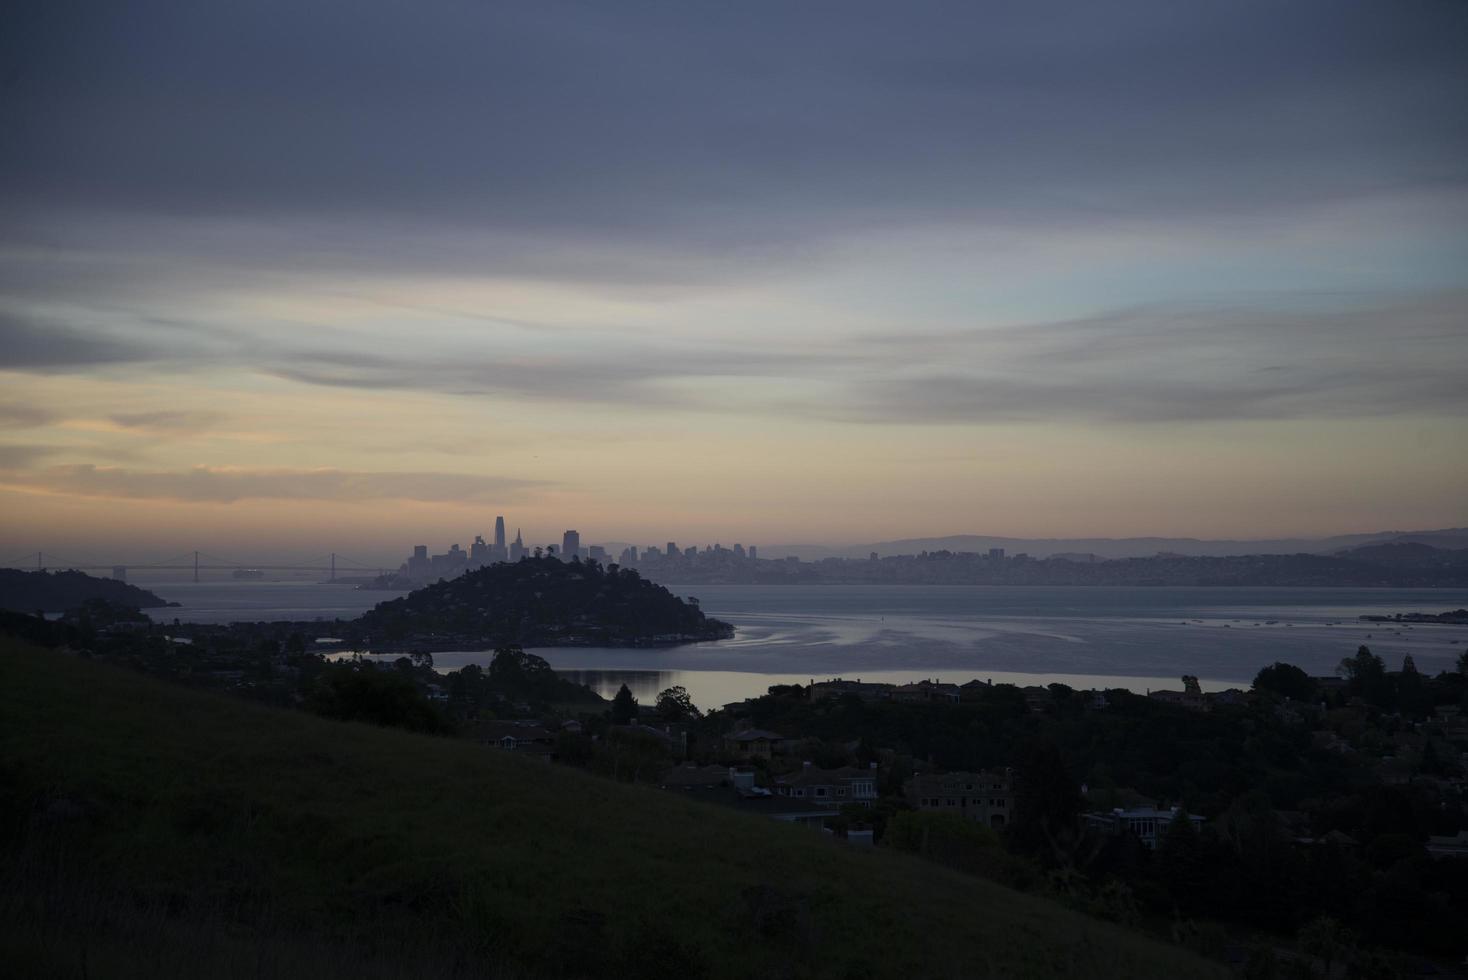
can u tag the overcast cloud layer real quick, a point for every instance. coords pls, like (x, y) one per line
(751, 221)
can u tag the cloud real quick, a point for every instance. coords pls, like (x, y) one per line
(38, 346)
(1177, 364)
(696, 131)
(18, 415)
(18, 457)
(229, 484)
(175, 421)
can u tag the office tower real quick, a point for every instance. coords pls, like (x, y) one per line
(419, 566)
(517, 550)
(597, 554)
(571, 545)
(738, 550)
(996, 553)
(673, 551)
(753, 552)
(478, 552)
(499, 533)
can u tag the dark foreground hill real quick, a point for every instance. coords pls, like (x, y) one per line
(540, 602)
(151, 830)
(29, 592)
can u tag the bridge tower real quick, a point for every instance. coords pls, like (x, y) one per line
(196, 566)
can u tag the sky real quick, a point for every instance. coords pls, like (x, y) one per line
(285, 277)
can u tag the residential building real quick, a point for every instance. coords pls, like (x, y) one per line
(761, 802)
(840, 688)
(527, 738)
(841, 786)
(926, 691)
(974, 690)
(985, 796)
(1147, 824)
(1192, 700)
(755, 743)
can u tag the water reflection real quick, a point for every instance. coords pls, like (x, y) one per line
(645, 685)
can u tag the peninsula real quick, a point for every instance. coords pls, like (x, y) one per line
(42, 591)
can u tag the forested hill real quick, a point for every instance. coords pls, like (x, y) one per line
(541, 602)
(29, 592)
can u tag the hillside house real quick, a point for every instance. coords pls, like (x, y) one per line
(839, 786)
(1147, 824)
(755, 743)
(926, 692)
(984, 796)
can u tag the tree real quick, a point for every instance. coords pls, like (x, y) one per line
(674, 704)
(1365, 676)
(1182, 863)
(1047, 804)
(1286, 680)
(361, 692)
(624, 707)
(1327, 939)
(1413, 697)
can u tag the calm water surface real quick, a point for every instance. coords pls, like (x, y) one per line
(1139, 638)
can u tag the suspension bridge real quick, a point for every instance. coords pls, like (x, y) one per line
(195, 562)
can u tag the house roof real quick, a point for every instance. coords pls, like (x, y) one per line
(765, 805)
(754, 734)
(695, 776)
(524, 732)
(825, 777)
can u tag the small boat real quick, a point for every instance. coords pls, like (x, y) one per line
(249, 574)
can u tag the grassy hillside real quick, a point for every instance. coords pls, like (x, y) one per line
(151, 830)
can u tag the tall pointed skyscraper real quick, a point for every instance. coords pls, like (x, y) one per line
(497, 551)
(517, 550)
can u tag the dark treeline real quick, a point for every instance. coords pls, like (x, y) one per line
(1318, 802)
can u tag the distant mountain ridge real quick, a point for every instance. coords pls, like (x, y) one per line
(1451, 538)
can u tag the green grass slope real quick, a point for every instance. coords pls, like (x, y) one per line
(151, 830)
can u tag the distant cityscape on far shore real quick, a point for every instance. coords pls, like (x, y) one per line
(1413, 560)
(423, 567)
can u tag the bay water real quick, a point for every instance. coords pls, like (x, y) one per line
(1102, 637)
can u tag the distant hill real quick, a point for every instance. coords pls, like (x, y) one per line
(1450, 538)
(153, 830)
(1408, 555)
(540, 602)
(29, 592)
